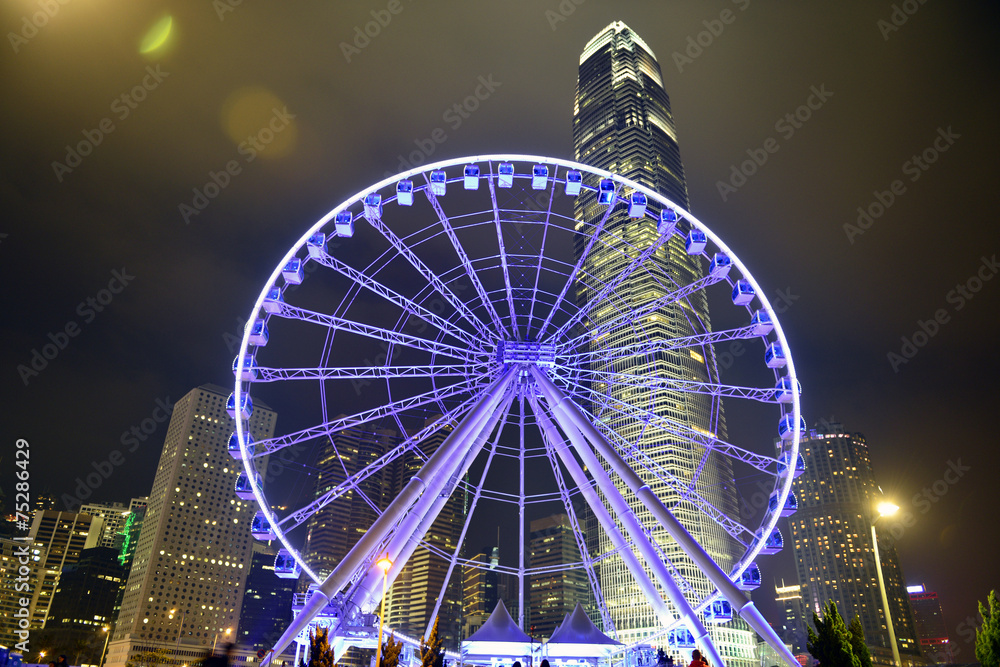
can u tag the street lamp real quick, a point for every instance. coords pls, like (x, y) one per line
(177, 643)
(385, 564)
(885, 508)
(228, 631)
(104, 651)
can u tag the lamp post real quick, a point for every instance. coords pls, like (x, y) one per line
(104, 651)
(215, 641)
(885, 509)
(385, 564)
(177, 642)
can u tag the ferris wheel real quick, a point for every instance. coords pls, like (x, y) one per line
(522, 325)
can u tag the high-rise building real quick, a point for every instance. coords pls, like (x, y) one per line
(483, 586)
(793, 616)
(115, 516)
(831, 534)
(63, 535)
(622, 122)
(187, 578)
(555, 592)
(333, 530)
(267, 602)
(421, 584)
(88, 590)
(16, 584)
(928, 617)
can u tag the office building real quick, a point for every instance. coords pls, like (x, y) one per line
(928, 618)
(191, 561)
(16, 585)
(794, 619)
(267, 602)
(63, 536)
(555, 592)
(831, 535)
(88, 591)
(622, 122)
(115, 516)
(483, 585)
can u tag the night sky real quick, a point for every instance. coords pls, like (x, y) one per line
(903, 125)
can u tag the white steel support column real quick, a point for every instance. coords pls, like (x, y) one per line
(559, 445)
(446, 456)
(745, 608)
(631, 523)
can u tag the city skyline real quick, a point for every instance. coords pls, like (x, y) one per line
(113, 222)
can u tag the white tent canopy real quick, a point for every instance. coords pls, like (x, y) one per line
(578, 638)
(498, 642)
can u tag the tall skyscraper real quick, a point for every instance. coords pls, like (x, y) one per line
(483, 587)
(267, 602)
(928, 617)
(622, 122)
(63, 535)
(191, 561)
(831, 533)
(555, 593)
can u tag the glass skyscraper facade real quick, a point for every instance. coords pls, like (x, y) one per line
(623, 123)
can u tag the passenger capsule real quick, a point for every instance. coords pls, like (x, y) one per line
(750, 579)
(788, 509)
(439, 183)
(373, 206)
(760, 323)
(786, 427)
(344, 223)
(244, 489)
(539, 176)
(260, 527)
(696, 241)
(774, 356)
(273, 300)
(720, 266)
(743, 292)
(246, 406)
(293, 273)
(606, 193)
(404, 192)
(316, 245)
(574, 181)
(285, 565)
(668, 221)
(470, 177)
(234, 445)
(247, 371)
(505, 178)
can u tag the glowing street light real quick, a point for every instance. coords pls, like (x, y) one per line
(384, 563)
(214, 641)
(885, 508)
(104, 651)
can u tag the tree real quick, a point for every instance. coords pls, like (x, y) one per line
(858, 645)
(431, 654)
(831, 642)
(988, 635)
(390, 652)
(320, 653)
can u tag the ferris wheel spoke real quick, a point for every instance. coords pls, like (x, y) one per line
(541, 256)
(408, 305)
(378, 333)
(432, 278)
(609, 288)
(650, 347)
(650, 309)
(503, 255)
(760, 394)
(265, 374)
(676, 429)
(686, 491)
(572, 275)
(463, 257)
(269, 445)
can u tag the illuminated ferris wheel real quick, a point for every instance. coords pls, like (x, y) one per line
(459, 304)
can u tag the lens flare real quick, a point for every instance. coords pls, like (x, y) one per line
(157, 36)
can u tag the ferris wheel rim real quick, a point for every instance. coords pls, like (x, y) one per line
(793, 447)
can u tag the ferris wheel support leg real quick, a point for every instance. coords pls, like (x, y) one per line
(380, 529)
(407, 536)
(620, 506)
(746, 609)
(604, 517)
